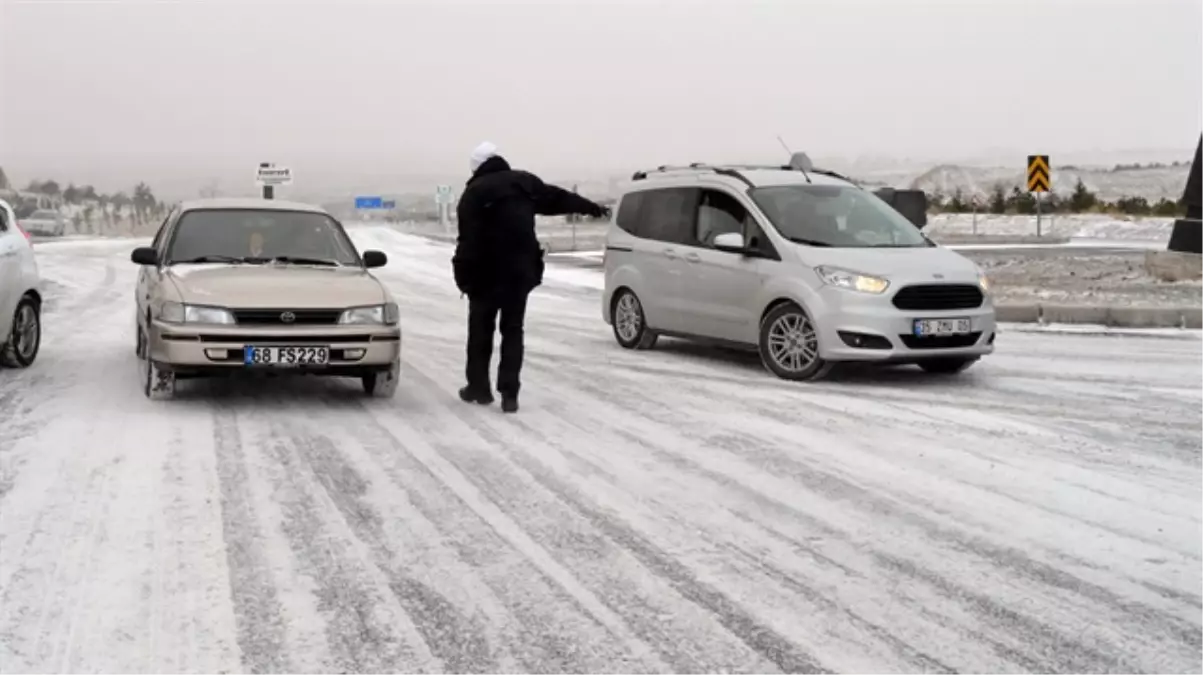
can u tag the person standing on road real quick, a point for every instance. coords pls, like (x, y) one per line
(498, 262)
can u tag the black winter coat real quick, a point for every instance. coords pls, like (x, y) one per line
(497, 249)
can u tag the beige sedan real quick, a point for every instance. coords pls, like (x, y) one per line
(237, 285)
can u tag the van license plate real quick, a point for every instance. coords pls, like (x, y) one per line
(938, 327)
(285, 356)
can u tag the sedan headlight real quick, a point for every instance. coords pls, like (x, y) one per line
(983, 281)
(853, 281)
(380, 315)
(176, 312)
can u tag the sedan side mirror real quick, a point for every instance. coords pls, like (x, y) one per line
(374, 259)
(731, 242)
(145, 255)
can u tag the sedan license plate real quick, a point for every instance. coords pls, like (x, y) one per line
(285, 356)
(939, 327)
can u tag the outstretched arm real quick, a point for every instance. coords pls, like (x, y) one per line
(551, 200)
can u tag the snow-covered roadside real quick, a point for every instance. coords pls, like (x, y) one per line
(1064, 226)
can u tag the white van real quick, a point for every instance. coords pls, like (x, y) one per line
(799, 263)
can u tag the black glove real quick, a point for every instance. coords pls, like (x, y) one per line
(600, 211)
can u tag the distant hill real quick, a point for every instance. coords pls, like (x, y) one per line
(1109, 184)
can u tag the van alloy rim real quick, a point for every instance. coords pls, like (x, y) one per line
(627, 317)
(793, 344)
(25, 332)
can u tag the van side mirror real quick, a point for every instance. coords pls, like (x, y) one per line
(731, 242)
(145, 255)
(374, 259)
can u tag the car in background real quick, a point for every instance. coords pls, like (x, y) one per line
(20, 298)
(237, 285)
(798, 263)
(45, 223)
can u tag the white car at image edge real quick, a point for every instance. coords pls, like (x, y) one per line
(20, 298)
(795, 262)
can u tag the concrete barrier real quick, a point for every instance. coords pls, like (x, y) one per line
(1017, 313)
(1056, 313)
(1117, 317)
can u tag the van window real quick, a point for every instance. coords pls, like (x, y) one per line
(628, 213)
(668, 215)
(836, 216)
(719, 213)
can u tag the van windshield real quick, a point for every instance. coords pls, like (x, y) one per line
(836, 216)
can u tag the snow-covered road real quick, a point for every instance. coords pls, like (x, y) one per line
(673, 510)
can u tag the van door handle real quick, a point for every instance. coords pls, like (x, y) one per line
(670, 253)
(693, 257)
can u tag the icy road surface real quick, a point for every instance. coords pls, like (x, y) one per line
(674, 510)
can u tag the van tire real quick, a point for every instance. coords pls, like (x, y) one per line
(789, 322)
(629, 322)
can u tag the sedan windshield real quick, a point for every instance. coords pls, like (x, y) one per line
(44, 215)
(260, 236)
(836, 216)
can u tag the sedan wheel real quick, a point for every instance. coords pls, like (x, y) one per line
(25, 339)
(157, 384)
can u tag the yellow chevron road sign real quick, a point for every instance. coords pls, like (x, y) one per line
(1040, 177)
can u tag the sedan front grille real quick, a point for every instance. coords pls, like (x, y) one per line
(286, 317)
(938, 297)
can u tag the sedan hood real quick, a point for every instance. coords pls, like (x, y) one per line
(276, 286)
(894, 263)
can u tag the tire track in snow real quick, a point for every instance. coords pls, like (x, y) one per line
(635, 404)
(557, 617)
(458, 641)
(761, 639)
(359, 632)
(257, 609)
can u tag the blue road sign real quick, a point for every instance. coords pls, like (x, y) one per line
(369, 203)
(390, 204)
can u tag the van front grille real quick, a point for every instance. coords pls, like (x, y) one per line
(936, 297)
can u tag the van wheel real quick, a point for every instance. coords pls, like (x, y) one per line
(946, 366)
(789, 345)
(25, 339)
(630, 325)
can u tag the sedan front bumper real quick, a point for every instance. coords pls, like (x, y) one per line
(353, 349)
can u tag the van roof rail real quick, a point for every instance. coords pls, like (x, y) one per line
(733, 170)
(723, 170)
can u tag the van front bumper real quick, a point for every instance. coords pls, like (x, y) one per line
(870, 328)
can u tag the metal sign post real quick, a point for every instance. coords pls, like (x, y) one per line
(442, 198)
(1039, 181)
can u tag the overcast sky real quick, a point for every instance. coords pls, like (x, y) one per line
(100, 91)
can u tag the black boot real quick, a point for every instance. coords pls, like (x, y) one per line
(468, 395)
(509, 404)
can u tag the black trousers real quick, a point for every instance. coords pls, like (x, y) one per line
(483, 314)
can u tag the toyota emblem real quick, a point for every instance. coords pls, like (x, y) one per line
(937, 276)
(288, 317)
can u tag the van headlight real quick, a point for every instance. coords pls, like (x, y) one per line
(853, 281)
(377, 315)
(178, 312)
